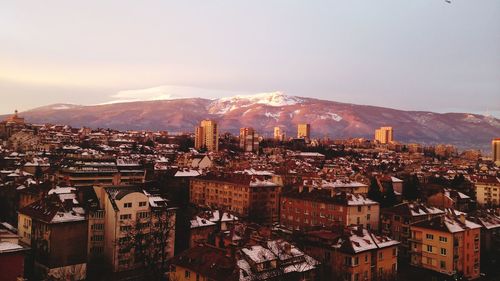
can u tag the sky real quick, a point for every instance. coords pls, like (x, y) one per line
(412, 55)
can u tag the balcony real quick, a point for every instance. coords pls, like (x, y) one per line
(415, 252)
(415, 240)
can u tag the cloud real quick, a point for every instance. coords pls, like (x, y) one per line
(168, 92)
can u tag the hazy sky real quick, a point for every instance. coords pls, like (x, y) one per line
(413, 54)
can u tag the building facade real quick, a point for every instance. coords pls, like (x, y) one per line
(396, 222)
(207, 136)
(447, 245)
(495, 149)
(306, 208)
(487, 190)
(279, 134)
(249, 140)
(384, 135)
(353, 254)
(245, 195)
(304, 131)
(137, 227)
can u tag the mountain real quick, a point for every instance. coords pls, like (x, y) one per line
(265, 111)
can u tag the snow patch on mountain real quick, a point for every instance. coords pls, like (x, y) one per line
(247, 111)
(330, 115)
(276, 116)
(472, 119)
(271, 99)
(63, 106)
(275, 99)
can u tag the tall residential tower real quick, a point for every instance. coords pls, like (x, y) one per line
(207, 135)
(304, 131)
(384, 135)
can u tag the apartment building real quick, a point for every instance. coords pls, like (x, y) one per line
(279, 134)
(249, 140)
(353, 253)
(304, 131)
(249, 196)
(396, 222)
(447, 245)
(204, 263)
(384, 135)
(84, 173)
(55, 227)
(207, 135)
(487, 190)
(138, 227)
(309, 207)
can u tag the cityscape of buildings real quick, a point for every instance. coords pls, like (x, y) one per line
(102, 204)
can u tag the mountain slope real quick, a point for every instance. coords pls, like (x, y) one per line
(265, 111)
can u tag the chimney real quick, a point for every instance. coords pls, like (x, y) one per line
(68, 204)
(288, 248)
(462, 218)
(359, 231)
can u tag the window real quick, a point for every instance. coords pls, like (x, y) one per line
(394, 252)
(126, 217)
(142, 204)
(380, 255)
(443, 251)
(356, 276)
(97, 238)
(127, 205)
(96, 250)
(429, 248)
(125, 228)
(356, 261)
(359, 208)
(97, 226)
(366, 258)
(98, 214)
(187, 274)
(394, 268)
(443, 239)
(142, 215)
(442, 264)
(429, 236)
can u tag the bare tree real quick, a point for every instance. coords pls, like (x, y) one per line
(149, 241)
